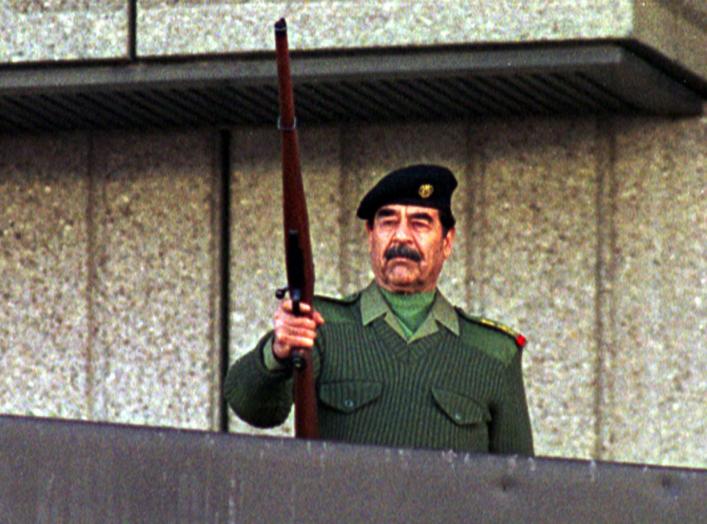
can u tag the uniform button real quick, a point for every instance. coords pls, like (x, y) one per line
(348, 403)
(457, 416)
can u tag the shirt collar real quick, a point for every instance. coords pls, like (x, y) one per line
(373, 306)
(444, 313)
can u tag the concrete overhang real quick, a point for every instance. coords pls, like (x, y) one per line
(370, 62)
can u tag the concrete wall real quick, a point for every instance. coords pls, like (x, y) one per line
(43, 30)
(585, 234)
(108, 277)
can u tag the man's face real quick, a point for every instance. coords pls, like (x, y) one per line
(408, 248)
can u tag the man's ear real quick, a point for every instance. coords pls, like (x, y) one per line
(369, 235)
(448, 242)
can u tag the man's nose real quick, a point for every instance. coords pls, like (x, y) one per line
(402, 232)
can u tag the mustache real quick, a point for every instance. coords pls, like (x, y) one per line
(402, 251)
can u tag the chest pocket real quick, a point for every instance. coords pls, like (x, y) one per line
(460, 409)
(349, 396)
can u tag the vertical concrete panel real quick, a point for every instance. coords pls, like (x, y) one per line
(156, 290)
(257, 260)
(657, 411)
(257, 256)
(369, 152)
(44, 354)
(537, 237)
(321, 170)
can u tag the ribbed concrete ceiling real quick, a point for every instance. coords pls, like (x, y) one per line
(436, 84)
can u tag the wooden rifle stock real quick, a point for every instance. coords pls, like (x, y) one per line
(298, 249)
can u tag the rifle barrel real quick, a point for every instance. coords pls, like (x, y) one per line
(298, 258)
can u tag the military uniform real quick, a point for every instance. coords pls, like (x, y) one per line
(456, 383)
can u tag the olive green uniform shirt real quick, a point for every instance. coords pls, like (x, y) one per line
(455, 383)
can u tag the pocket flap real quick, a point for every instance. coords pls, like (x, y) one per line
(350, 395)
(462, 410)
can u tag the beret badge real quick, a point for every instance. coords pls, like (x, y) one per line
(426, 190)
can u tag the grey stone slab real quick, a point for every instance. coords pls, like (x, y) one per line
(674, 28)
(257, 258)
(63, 30)
(656, 360)
(678, 29)
(71, 472)
(192, 26)
(535, 234)
(44, 330)
(257, 250)
(157, 292)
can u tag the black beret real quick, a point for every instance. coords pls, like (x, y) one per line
(417, 185)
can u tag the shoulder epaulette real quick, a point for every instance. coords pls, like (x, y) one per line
(347, 300)
(517, 337)
(336, 309)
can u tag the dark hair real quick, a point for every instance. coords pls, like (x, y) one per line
(447, 219)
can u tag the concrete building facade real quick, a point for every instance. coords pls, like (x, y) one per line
(135, 264)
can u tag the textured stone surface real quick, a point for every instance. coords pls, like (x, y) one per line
(63, 30)
(194, 27)
(675, 28)
(43, 276)
(52, 30)
(536, 239)
(156, 290)
(656, 409)
(257, 258)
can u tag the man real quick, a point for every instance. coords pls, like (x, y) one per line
(396, 364)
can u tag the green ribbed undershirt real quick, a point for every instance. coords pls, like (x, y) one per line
(410, 309)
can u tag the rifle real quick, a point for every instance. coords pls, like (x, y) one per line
(298, 249)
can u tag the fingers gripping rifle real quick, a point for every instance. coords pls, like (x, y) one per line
(298, 249)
